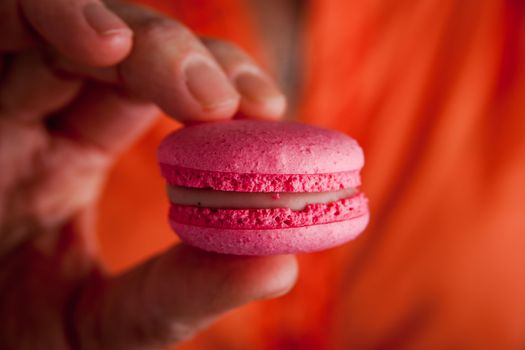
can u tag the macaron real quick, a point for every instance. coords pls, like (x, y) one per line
(249, 187)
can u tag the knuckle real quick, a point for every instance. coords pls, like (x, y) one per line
(223, 46)
(232, 58)
(158, 26)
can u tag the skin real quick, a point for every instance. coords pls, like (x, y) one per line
(74, 93)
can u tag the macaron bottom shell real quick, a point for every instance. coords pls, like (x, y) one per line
(259, 242)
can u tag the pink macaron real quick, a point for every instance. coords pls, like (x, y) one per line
(250, 187)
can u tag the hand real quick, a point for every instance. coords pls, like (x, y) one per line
(80, 81)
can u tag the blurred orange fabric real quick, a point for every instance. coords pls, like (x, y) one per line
(435, 93)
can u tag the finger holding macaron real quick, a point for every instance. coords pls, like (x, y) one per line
(149, 54)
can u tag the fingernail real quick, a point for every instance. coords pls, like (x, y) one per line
(256, 88)
(209, 86)
(278, 293)
(283, 279)
(103, 21)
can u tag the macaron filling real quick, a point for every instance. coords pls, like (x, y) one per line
(253, 200)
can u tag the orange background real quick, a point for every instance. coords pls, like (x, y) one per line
(435, 93)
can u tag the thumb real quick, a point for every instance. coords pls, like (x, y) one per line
(172, 296)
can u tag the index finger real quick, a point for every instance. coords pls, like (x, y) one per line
(84, 30)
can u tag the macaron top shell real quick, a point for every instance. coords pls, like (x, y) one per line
(261, 147)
